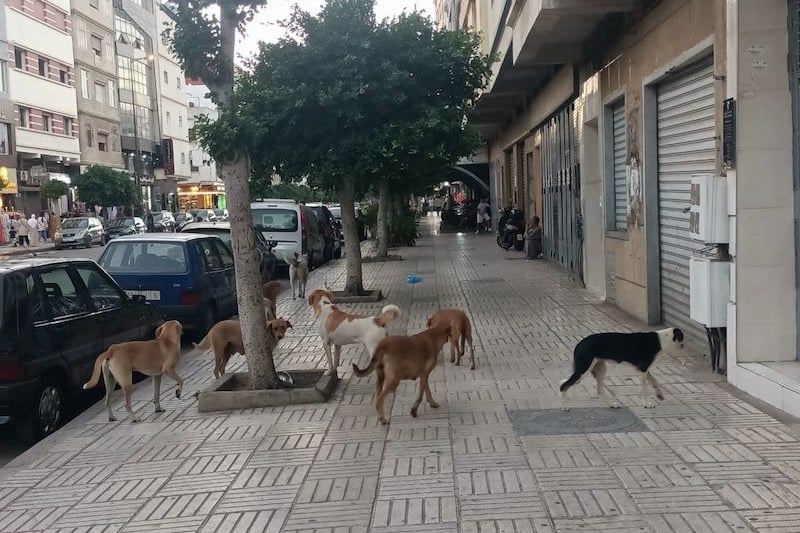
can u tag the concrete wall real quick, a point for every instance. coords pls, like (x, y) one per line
(670, 29)
(765, 315)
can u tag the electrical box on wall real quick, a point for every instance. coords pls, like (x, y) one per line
(709, 291)
(708, 212)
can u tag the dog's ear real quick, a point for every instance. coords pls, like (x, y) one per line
(313, 297)
(677, 335)
(160, 330)
(288, 324)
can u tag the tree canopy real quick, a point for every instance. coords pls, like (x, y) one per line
(54, 189)
(105, 187)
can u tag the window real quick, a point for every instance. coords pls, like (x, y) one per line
(3, 78)
(83, 42)
(68, 126)
(166, 77)
(47, 122)
(180, 121)
(20, 58)
(183, 158)
(99, 92)
(43, 67)
(150, 257)
(224, 254)
(178, 82)
(192, 135)
(89, 137)
(167, 118)
(34, 298)
(63, 76)
(211, 259)
(4, 140)
(616, 167)
(61, 294)
(24, 117)
(97, 46)
(102, 292)
(112, 93)
(102, 142)
(93, 3)
(84, 84)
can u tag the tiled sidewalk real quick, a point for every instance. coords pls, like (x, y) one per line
(703, 460)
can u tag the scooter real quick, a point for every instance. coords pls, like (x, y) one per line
(511, 232)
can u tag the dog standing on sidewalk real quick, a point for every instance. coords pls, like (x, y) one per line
(152, 358)
(460, 333)
(298, 274)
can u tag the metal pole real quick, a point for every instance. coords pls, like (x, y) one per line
(136, 140)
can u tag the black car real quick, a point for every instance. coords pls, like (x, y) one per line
(125, 226)
(163, 222)
(56, 317)
(331, 231)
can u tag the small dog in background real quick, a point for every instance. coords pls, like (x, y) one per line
(460, 332)
(298, 274)
(152, 358)
(637, 349)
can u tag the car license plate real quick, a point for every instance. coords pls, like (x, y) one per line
(519, 236)
(151, 296)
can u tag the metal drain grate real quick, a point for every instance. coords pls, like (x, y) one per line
(577, 420)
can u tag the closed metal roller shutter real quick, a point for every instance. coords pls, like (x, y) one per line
(686, 146)
(620, 176)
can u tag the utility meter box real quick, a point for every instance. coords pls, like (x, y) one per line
(709, 291)
(708, 212)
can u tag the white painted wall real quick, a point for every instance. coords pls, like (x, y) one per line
(31, 90)
(47, 143)
(33, 35)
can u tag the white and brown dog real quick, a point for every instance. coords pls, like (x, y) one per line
(337, 328)
(637, 349)
(298, 274)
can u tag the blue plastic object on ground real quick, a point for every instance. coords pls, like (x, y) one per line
(413, 278)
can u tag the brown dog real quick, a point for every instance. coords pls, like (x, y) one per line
(225, 338)
(397, 358)
(270, 292)
(153, 358)
(460, 331)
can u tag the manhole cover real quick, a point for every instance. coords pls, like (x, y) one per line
(576, 420)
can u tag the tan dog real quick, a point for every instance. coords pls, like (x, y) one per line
(153, 358)
(270, 292)
(298, 274)
(397, 358)
(460, 331)
(225, 339)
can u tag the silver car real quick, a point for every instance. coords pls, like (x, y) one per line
(80, 231)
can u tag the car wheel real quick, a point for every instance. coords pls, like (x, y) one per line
(48, 414)
(89, 241)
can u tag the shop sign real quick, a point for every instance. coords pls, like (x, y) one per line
(9, 177)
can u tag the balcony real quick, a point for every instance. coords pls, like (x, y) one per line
(30, 90)
(44, 143)
(37, 36)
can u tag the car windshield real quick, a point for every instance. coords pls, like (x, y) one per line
(223, 234)
(74, 223)
(121, 222)
(144, 258)
(273, 219)
(336, 212)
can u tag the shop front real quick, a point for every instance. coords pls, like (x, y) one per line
(9, 190)
(205, 195)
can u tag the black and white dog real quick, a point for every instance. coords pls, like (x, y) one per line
(637, 349)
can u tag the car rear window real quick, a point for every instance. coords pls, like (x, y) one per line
(73, 223)
(274, 219)
(224, 235)
(144, 258)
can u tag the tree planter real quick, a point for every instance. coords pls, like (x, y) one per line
(340, 297)
(230, 392)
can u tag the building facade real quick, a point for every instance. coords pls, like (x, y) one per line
(96, 83)
(8, 157)
(205, 189)
(610, 123)
(41, 85)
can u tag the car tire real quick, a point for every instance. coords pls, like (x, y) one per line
(89, 242)
(49, 411)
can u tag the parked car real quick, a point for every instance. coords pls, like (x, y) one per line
(163, 222)
(266, 259)
(336, 211)
(221, 214)
(186, 276)
(292, 226)
(56, 317)
(331, 231)
(80, 231)
(203, 215)
(125, 226)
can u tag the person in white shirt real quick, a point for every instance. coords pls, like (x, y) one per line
(5, 228)
(483, 216)
(41, 225)
(21, 227)
(33, 226)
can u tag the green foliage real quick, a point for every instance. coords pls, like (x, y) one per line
(403, 228)
(107, 187)
(54, 189)
(350, 97)
(300, 193)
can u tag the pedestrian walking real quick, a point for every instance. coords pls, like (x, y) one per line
(21, 230)
(33, 230)
(484, 219)
(5, 228)
(41, 225)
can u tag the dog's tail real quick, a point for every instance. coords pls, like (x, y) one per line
(204, 344)
(271, 289)
(98, 366)
(371, 366)
(389, 314)
(570, 381)
(581, 363)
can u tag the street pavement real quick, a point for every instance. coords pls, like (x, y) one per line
(704, 460)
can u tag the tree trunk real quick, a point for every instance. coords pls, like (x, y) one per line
(258, 346)
(384, 210)
(354, 285)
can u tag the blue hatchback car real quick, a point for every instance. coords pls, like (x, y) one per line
(187, 277)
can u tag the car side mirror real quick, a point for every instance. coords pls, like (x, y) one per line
(272, 244)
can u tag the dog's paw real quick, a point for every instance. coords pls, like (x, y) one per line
(160, 409)
(112, 418)
(329, 372)
(434, 405)
(177, 393)
(660, 396)
(648, 405)
(614, 405)
(135, 420)
(383, 421)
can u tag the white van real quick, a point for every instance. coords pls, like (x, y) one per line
(292, 226)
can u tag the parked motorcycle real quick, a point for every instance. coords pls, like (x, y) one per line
(511, 230)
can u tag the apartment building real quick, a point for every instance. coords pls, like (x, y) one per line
(96, 83)
(447, 14)
(41, 86)
(174, 114)
(8, 157)
(610, 120)
(205, 188)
